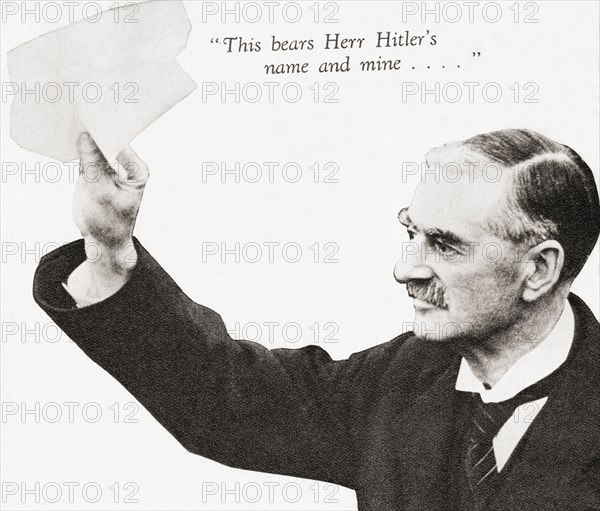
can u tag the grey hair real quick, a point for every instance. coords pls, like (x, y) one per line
(553, 194)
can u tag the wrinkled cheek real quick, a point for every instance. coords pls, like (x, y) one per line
(482, 305)
(472, 302)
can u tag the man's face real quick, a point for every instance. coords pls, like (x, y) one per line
(464, 280)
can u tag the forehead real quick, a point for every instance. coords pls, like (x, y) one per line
(459, 192)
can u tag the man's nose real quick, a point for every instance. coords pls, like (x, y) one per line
(412, 264)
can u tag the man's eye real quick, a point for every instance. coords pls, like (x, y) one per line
(444, 248)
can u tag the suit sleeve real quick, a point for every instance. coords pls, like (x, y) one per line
(295, 412)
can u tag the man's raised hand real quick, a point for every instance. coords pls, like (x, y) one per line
(107, 201)
(105, 208)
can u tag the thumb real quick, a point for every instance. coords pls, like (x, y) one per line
(136, 171)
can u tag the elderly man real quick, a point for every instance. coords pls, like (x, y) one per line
(492, 403)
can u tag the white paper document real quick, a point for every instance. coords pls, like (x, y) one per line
(111, 78)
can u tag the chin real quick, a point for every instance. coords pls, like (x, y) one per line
(436, 325)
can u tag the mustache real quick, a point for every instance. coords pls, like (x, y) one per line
(427, 291)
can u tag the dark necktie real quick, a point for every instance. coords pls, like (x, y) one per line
(486, 419)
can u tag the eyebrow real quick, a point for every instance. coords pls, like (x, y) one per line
(445, 235)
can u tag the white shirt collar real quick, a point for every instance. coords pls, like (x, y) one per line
(538, 363)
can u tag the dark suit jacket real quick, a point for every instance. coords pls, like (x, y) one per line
(381, 422)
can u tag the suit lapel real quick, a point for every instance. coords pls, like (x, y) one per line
(408, 446)
(429, 434)
(564, 437)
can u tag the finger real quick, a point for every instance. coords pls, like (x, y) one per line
(136, 170)
(91, 159)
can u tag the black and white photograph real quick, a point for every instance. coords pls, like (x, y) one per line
(311, 256)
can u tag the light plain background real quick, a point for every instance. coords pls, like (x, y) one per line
(368, 133)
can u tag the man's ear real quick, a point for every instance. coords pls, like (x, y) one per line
(543, 265)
